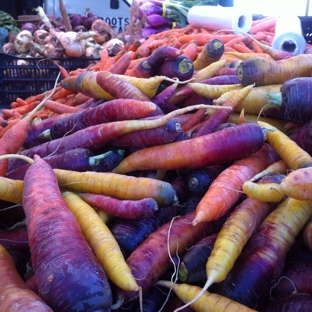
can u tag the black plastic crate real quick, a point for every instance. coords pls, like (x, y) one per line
(36, 76)
(306, 24)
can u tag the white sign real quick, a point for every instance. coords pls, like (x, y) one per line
(114, 12)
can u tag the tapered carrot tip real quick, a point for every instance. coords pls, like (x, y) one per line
(199, 217)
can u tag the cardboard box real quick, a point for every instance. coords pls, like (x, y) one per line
(114, 12)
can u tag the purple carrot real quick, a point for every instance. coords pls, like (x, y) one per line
(199, 180)
(303, 136)
(162, 97)
(16, 239)
(211, 149)
(63, 262)
(150, 137)
(113, 157)
(122, 208)
(293, 102)
(131, 233)
(296, 302)
(296, 276)
(37, 127)
(113, 110)
(93, 137)
(78, 159)
(148, 263)
(180, 67)
(193, 263)
(149, 67)
(162, 53)
(118, 88)
(156, 20)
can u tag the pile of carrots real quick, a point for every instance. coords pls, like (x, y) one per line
(158, 193)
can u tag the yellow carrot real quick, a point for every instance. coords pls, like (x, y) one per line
(207, 302)
(11, 190)
(234, 118)
(266, 192)
(293, 155)
(277, 167)
(116, 185)
(212, 91)
(209, 71)
(254, 101)
(147, 86)
(102, 242)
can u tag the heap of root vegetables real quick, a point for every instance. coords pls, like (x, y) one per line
(174, 175)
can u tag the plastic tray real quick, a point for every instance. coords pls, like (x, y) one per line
(37, 76)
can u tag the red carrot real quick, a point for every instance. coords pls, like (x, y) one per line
(14, 293)
(122, 64)
(128, 209)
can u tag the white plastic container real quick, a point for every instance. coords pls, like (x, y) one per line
(218, 17)
(114, 12)
(288, 35)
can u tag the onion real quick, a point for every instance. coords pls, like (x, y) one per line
(79, 28)
(9, 48)
(113, 46)
(104, 31)
(74, 43)
(29, 26)
(40, 36)
(23, 42)
(75, 20)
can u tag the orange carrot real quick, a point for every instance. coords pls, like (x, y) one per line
(263, 24)
(226, 189)
(9, 125)
(60, 108)
(103, 58)
(62, 93)
(190, 50)
(12, 140)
